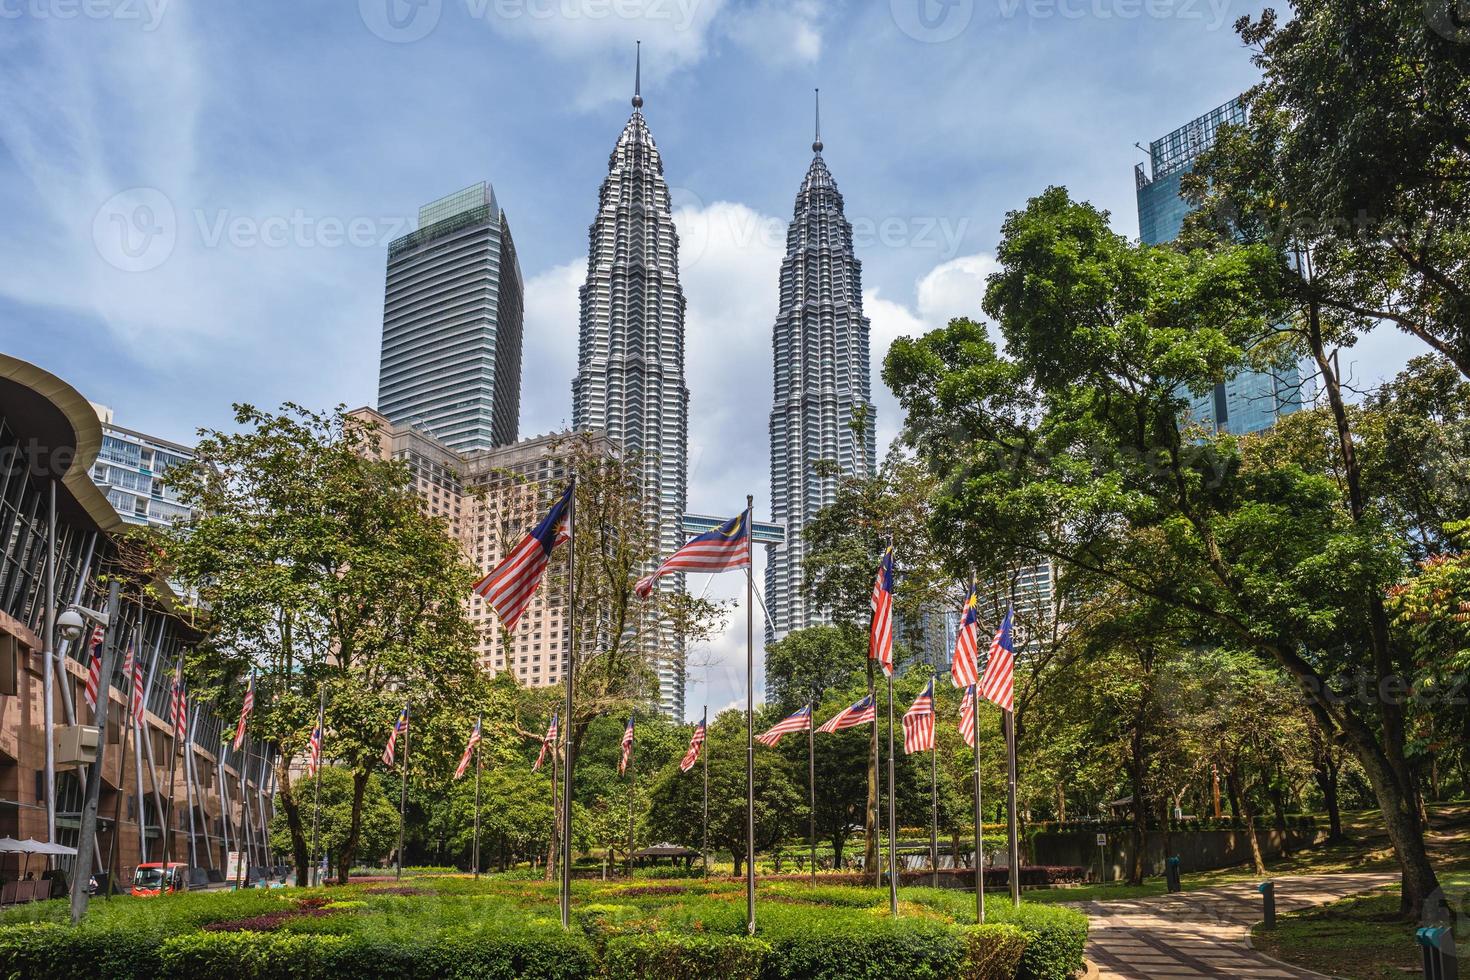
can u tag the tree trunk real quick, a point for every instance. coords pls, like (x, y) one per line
(293, 822)
(1139, 830)
(354, 828)
(1061, 803)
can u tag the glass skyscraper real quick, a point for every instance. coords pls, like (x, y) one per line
(132, 470)
(452, 324)
(630, 351)
(820, 349)
(1252, 400)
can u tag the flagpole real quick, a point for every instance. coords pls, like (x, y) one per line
(811, 782)
(403, 792)
(632, 778)
(555, 804)
(934, 792)
(173, 758)
(749, 716)
(892, 826)
(478, 766)
(126, 723)
(979, 825)
(1015, 842)
(316, 802)
(704, 822)
(567, 672)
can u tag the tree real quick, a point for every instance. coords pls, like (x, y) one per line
(318, 566)
(1077, 439)
(373, 814)
(807, 663)
(676, 799)
(1355, 157)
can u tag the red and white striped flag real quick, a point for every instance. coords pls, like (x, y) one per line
(94, 668)
(133, 667)
(179, 704)
(513, 582)
(469, 750)
(314, 760)
(246, 706)
(696, 743)
(546, 743)
(627, 756)
(857, 713)
(724, 548)
(998, 685)
(962, 669)
(800, 721)
(880, 635)
(967, 716)
(399, 727)
(918, 723)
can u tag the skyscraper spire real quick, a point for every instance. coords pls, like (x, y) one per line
(817, 142)
(638, 75)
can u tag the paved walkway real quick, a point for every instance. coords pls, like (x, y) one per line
(1203, 933)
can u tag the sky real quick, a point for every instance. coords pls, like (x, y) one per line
(196, 197)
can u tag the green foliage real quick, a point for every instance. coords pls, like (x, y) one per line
(378, 833)
(663, 956)
(992, 951)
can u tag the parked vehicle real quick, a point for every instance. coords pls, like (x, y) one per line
(153, 879)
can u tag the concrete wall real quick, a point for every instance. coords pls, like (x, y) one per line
(1198, 850)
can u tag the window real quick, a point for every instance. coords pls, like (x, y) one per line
(9, 665)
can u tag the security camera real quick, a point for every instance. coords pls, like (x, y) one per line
(72, 623)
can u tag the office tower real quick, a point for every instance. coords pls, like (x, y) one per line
(1252, 400)
(489, 499)
(822, 385)
(630, 352)
(451, 362)
(132, 469)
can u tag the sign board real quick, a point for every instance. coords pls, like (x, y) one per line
(1102, 840)
(233, 867)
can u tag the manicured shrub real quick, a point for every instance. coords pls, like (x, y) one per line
(915, 950)
(246, 956)
(61, 953)
(669, 956)
(992, 951)
(1055, 939)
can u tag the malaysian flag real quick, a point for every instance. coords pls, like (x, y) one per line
(918, 723)
(859, 713)
(997, 686)
(627, 755)
(696, 743)
(246, 706)
(724, 548)
(511, 585)
(314, 759)
(469, 750)
(962, 669)
(880, 636)
(399, 727)
(94, 668)
(133, 667)
(798, 722)
(546, 743)
(179, 703)
(967, 716)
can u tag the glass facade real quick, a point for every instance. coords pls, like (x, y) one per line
(1251, 400)
(452, 324)
(132, 468)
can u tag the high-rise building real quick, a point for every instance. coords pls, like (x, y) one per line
(630, 351)
(489, 499)
(452, 324)
(132, 470)
(1252, 400)
(822, 385)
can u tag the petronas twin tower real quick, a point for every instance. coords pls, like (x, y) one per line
(630, 364)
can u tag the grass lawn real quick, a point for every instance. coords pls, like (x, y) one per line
(1361, 937)
(431, 926)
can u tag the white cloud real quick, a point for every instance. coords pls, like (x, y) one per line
(955, 289)
(778, 34)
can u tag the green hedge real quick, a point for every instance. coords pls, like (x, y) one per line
(668, 956)
(1055, 939)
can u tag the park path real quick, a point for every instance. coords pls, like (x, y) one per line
(1203, 933)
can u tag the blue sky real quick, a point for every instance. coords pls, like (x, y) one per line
(196, 197)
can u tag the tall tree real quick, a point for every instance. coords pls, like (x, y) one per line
(1077, 439)
(319, 566)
